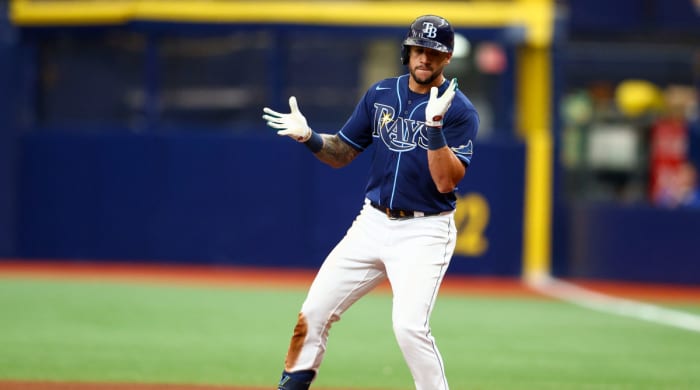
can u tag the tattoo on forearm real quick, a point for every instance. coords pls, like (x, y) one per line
(335, 152)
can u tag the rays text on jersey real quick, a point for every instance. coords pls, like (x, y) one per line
(398, 134)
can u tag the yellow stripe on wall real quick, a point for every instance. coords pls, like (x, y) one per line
(342, 13)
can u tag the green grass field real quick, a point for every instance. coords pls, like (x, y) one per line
(130, 332)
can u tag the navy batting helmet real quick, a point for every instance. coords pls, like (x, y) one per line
(429, 31)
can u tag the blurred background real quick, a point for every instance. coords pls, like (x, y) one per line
(131, 131)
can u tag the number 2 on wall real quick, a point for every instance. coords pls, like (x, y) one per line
(472, 217)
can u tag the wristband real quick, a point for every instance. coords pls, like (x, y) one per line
(436, 139)
(315, 142)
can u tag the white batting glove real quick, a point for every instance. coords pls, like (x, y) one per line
(437, 106)
(292, 125)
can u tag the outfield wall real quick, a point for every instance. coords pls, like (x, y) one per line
(641, 243)
(259, 199)
(255, 199)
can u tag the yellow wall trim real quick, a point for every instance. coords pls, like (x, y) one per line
(535, 17)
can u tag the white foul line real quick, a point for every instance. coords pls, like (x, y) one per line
(623, 307)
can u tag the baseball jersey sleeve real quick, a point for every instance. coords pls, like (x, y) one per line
(357, 131)
(460, 128)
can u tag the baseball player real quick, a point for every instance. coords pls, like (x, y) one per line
(423, 128)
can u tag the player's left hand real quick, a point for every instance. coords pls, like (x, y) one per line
(437, 106)
(293, 124)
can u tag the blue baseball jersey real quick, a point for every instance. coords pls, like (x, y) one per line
(393, 117)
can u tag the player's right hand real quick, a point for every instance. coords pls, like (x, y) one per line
(292, 125)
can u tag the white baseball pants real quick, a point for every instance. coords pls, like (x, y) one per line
(414, 255)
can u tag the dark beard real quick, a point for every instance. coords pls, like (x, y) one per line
(429, 81)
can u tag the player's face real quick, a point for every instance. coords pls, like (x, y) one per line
(426, 65)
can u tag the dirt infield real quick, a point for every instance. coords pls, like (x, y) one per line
(276, 278)
(36, 385)
(21, 385)
(282, 279)
(273, 278)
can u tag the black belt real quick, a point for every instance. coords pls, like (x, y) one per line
(400, 214)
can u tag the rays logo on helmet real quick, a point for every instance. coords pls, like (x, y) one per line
(429, 30)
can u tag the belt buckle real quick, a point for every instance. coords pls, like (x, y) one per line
(398, 214)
